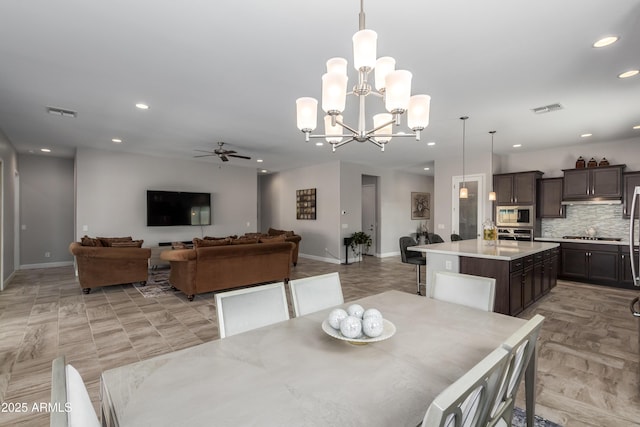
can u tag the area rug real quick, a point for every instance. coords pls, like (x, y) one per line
(157, 284)
(520, 420)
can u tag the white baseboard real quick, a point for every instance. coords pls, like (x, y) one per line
(46, 265)
(318, 258)
(6, 282)
(389, 254)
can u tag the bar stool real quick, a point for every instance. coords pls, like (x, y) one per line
(412, 257)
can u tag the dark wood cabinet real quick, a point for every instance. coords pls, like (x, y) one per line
(516, 188)
(550, 198)
(630, 181)
(626, 278)
(593, 183)
(588, 262)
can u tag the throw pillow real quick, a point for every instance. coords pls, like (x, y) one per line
(213, 238)
(107, 241)
(201, 243)
(127, 244)
(276, 232)
(253, 235)
(273, 239)
(88, 241)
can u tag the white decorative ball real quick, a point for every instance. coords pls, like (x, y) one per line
(336, 316)
(372, 312)
(351, 327)
(372, 326)
(355, 310)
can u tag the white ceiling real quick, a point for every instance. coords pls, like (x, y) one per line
(232, 70)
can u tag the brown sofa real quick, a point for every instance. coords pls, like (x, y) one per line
(123, 261)
(290, 236)
(225, 266)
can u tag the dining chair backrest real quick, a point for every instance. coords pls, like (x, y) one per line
(521, 346)
(465, 289)
(434, 238)
(468, 400)
(69, 396)
(455, 237)
(311, 294)
(244, 309)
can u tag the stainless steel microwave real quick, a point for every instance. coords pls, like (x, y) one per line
(515, 216)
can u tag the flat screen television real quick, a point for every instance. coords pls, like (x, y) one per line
(169, 208)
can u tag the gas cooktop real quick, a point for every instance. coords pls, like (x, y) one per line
(606, 239)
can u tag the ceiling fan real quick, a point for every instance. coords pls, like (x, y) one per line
(222, 153)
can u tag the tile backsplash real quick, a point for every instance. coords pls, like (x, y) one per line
(606, 219)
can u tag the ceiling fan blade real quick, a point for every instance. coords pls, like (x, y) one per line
(205, 155)
(239, 156)
(223, 158)
(205, 151)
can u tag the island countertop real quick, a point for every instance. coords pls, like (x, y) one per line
(503, 250)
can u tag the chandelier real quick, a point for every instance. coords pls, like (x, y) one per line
(391, 85)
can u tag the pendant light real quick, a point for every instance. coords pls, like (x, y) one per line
(492, 194)
(464, 193)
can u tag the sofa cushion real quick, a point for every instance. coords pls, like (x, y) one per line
(253, 235)
(276, 232)
(218, 238)
(273, 239)
(89, 241)
(107, 241)
(203, 243)
(127, 244)
(243, 241)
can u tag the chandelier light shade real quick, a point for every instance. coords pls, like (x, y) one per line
(307, 109)
(391, 85)
(464, 193)
(492, 194)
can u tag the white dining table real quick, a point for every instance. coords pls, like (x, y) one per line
(294, 374)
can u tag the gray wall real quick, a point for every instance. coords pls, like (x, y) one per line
(111, 195)
(8, 239)
(46, 210)
(339, 188)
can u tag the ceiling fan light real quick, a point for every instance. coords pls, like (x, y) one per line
(307, 111)
(398, 90)
(365, 44)
(379, 120)
(337, 65)
(334, 92)
(418, 114)
(333, 133)
(384, 66)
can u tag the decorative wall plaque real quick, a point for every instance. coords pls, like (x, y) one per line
(306, 204)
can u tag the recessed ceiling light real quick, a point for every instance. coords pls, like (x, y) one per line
(606, 41)
(142, 106)
(426, 169)
(517, 145)
(116, 141)
(263, 171)
(627, 74)
(45, 150)
(259, 160)
(636, 127)
(319, 143)
(431, 144)
(586, 135)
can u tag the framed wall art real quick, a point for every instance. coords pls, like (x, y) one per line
(306, 204)
(420, 205)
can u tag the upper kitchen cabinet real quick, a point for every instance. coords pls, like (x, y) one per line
(631, 180)
(516, 188)
(550, 198)
(599, 183)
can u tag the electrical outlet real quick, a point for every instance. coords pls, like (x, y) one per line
(47, 254)
(85, 228)
(447, 265)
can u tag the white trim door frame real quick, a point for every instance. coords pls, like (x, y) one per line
(477, 182)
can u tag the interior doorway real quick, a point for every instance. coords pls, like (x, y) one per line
(466, 214)
(370, 211)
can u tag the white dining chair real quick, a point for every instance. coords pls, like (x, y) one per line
(73, 407)
(468, 400)
(521, 347)
(465, 289)
(316, 293)
(249, 308)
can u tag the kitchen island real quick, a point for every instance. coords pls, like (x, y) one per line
(524, 271)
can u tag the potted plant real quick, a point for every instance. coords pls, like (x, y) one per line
(358, 240)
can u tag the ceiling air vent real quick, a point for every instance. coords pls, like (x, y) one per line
(547, 108)
(62, 112)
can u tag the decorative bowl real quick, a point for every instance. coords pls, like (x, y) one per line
(387, 332)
